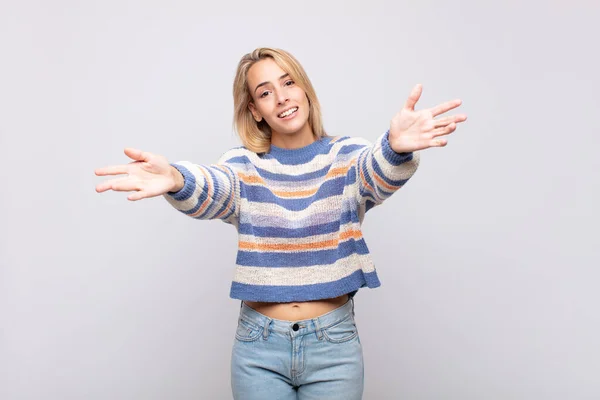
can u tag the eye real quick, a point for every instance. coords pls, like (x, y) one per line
(289, 83)
(263, 94)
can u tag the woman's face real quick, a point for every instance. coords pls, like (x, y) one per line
(277, 99)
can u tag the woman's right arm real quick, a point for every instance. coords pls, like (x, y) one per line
(199, 191)
(207, 192)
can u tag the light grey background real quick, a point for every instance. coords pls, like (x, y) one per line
(488, 257)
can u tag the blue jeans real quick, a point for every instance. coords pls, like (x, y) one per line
(318, 358)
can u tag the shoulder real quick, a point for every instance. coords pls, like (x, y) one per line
(347, 144)
(238, 157)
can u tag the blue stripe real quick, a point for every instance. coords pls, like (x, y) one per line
(378, 193)
(349, 216)
(350, 148)
(204, 195)
(264, 231)
(230, 196)
(277, 232)
(189, 184)
(302, 259)
(342, 139)
(201, 199)
(271, 231)
(351, 176)
(363, 188)
(261, 194)
(244, 160)
(224, 197)
(358, 279)
(390, 155)
(368, 205)
(301, 155)
(369, 196)
(293, 178)
(216, 192)
(387, 180)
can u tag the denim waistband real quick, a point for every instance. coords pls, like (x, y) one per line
(303, 327)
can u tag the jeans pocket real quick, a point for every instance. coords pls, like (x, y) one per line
(342, 331)
(247, 331)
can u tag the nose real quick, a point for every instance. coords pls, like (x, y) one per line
(282, 97)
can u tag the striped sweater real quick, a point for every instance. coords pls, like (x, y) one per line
(298, 213)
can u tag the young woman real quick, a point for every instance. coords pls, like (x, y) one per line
(297, 198)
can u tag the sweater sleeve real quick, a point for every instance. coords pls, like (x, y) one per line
(209, 191)
(381, 171)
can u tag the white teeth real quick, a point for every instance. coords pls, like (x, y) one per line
(288, 112)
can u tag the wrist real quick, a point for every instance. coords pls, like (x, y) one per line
(394, 156)
(178, 180)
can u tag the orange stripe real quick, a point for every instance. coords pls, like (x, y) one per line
(352, 233)
(210, 194)
(298, 193)
(339, 171)
(251, 179)
(231, 196)
(363, 178)
(333, 173)
(300, 246)
(384, 183)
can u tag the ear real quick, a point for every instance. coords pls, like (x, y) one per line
(254, 112)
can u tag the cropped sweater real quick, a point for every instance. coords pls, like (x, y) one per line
(298, 213)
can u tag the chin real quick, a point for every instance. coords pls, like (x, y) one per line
(296, 127)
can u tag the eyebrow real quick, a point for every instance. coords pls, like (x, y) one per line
(264, 83)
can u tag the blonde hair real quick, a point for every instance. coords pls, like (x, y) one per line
(256, 136)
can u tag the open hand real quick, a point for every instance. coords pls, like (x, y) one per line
(412, 130)
(149, 175)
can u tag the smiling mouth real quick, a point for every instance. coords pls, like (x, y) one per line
(287, 113)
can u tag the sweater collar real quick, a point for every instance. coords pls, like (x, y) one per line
(301, 154)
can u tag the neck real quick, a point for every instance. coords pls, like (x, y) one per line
(295, 140)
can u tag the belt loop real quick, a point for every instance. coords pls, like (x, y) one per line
(266, 329)
(318, 330)
(352, 298)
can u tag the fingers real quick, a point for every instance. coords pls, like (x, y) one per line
(137, 196)
(136, 154)
(435, 134)
(444, 107)
(127, 183)
(414, 96)
(438, 143)
(445, 130)
(112, 170)
(123, 185)
(119, 185)
(437, 123)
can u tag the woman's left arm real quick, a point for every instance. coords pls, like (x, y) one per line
(412, 130)
(387, 165)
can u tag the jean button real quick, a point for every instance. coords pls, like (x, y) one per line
(295, 327)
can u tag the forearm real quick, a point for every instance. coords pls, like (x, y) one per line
(204, 192)
(381, 171)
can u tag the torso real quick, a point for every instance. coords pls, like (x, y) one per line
(297, 311)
